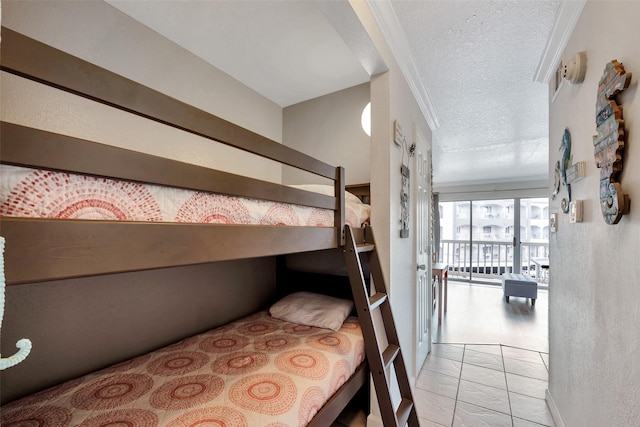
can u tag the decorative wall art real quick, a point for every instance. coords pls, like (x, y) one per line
(556, 181)
(563, 164)
(404, 202)
(400, 139)
(609, 142)
(565, 172)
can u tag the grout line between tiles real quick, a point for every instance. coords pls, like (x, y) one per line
(504, 370)
(455, 403)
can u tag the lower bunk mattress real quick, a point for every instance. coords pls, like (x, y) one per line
(257, 371)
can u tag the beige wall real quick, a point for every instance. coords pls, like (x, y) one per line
(79, 325)
(101, 34)
(328, 128)
(594, 313)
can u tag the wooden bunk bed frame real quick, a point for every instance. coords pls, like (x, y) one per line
(154, 245)
(40, 250)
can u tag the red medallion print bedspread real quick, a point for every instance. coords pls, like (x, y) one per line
(258, 371)
(35, 193)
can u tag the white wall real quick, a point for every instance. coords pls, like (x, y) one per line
(101, 34)
(328, 128)
(594, 293)
(392, 99)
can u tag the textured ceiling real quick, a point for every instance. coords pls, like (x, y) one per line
(476, 59)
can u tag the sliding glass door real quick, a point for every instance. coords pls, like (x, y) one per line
(481, 239)
(534, 247)
(493, 230)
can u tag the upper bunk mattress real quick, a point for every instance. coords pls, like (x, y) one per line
(35, 193)
(257, 371)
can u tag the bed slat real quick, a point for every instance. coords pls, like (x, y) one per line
(42, 249)
(24, 146)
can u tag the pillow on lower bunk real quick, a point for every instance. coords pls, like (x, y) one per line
(310, 309)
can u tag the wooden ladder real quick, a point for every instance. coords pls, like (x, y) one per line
(379, 360)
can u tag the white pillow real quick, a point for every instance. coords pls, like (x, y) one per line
(310, 309)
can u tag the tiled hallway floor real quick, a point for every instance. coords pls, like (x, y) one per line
(489, 364)
(483, 385)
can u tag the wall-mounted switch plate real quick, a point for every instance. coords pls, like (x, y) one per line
(575, 211)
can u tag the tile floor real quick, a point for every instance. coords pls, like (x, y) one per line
(483, 385)
(488, 365)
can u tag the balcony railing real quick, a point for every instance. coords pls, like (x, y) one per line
(488, 259)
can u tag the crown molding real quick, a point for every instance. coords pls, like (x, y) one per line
(391, 29)
(344, 20)
(566, 19)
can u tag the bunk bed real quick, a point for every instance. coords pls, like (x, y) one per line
(43, 246)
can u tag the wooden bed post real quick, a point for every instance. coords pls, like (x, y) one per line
(339, 215)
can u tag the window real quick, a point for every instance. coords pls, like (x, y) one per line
(477, 237)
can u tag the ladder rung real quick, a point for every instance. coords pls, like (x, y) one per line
(377, 299)
(389, 355)
(403, 412)
(364, 247)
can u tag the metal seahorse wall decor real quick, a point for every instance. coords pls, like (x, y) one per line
(609, 142)
(565, 162)
(556, 180)
(23, 345)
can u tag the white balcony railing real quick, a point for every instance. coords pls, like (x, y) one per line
(488, 259)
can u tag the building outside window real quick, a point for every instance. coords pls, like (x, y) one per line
(477, 237)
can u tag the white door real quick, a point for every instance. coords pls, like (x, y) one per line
(420, 182)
